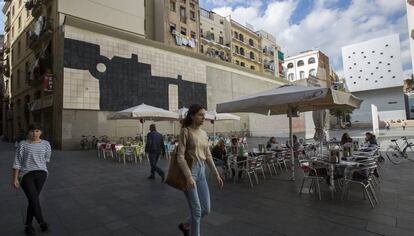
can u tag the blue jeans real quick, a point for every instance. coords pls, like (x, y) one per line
(153, 158)
(198, 198)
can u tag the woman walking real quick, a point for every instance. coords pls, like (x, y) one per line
(194, 146)
(30, 168)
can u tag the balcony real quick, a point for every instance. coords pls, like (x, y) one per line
(246, 43)
(36, 6)
(35, 41)
(7, 25)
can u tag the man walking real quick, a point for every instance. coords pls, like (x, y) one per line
(154, 148)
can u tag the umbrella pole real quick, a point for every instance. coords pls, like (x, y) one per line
(214, 133)
(292, 156)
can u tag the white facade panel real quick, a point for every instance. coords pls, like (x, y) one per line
(373, 64)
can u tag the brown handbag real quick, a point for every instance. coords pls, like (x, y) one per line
(175, 177)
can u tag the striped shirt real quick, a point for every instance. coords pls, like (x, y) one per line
(30, 157)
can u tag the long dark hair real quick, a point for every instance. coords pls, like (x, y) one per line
(194, 109)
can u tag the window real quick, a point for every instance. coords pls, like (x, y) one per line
(312, 72)
(376, 81)
(243, 64)
(290, 76)
(389, 70)
(302, 74)
(172, 6)
(354, 64)
(192, 15)
(301, 63)
(377, 68)
(393, 77)
(202, 49)
(354, 82)
(290, 65)
(236, 35)
(350, 68)
(222, 22)
(311, 60)
(183, 17)
(381, 53)
(252, 55)
(192, 6)
(353, 52)
(241, 51)
(388, 64)
(360, 70)
(373, 51)
(237, 62)
(362, 52)
(236, 49)
(172, 27)
(386, 45)
(19, 23)
(380, 62)
(12, 13)
(251, 42)
(221, 40)
(18, 78)
(391, 56)
(18, 49)
(369, 63)
(392, 102)
(241, 37)
(349, 56)
(27, 70)
(193, 35)
(252, 67)
(372, 73)
(183, 31)
(366, 79)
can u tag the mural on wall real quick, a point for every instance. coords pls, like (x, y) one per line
(125, 82)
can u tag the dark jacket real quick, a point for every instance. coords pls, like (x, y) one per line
(218, 152)
(155, 143)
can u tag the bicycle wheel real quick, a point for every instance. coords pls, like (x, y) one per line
(410, 154)
(394, 155)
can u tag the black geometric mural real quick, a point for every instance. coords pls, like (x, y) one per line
(127, 82)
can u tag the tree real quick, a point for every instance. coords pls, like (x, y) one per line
(340, 114)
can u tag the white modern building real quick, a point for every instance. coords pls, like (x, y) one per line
(410, 19)
(307, 64)
(373, 72)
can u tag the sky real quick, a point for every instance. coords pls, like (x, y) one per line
(327, 25)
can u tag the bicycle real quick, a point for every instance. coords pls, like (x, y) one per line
(84, 143)
(397, 153)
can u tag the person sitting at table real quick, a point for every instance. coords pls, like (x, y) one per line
(296, 145)
(234, 145)
(273, 145)
(346, 139)
(219, 153)
(371, 139)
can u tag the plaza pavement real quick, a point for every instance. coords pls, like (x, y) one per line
(88, 196)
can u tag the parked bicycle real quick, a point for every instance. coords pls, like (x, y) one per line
(397, 153)
(84, 143)
(94, 142)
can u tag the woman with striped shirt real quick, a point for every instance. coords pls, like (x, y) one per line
(30, 168)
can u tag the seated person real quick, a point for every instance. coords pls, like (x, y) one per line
(234, 145)
(371, 139)
(273, 145)
(346, 139)
(219, 153)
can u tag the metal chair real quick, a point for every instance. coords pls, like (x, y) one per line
(362, 178)
(310, 173)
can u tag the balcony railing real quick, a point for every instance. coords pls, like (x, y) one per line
(7, 25)
(36, 6)
(35, 41)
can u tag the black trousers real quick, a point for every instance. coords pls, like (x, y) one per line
(153, 158)
(32, 184)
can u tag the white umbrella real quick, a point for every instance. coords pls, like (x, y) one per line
(143, 112)
(214, 116)
(289, 99)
